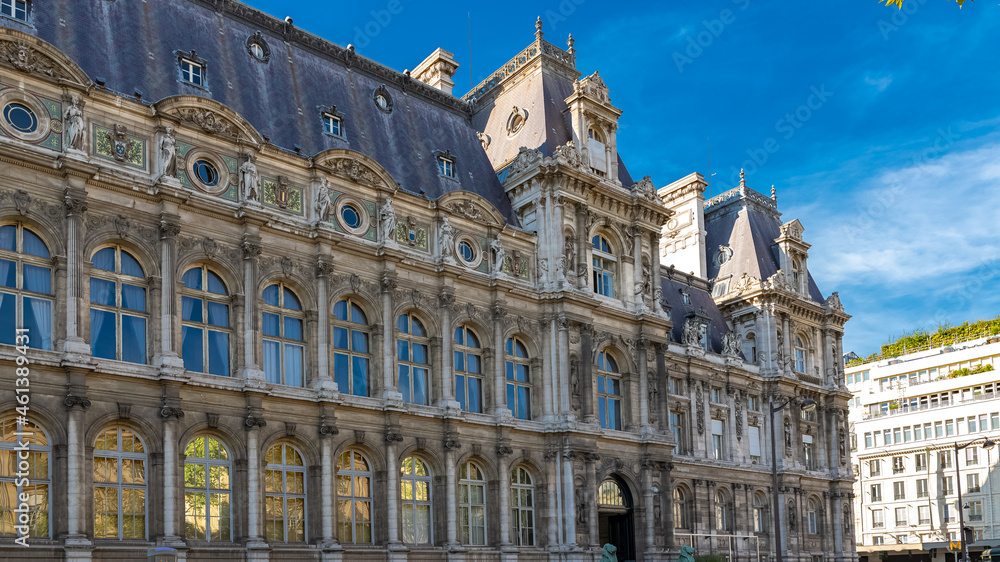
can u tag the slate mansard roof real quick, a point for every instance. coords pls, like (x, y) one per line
(133, 45)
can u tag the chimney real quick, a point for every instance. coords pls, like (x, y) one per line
(437, 70)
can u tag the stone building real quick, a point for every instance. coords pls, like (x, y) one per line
(277, 301)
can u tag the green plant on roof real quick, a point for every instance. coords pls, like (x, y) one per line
(944, 335)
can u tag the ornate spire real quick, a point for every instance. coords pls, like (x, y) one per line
(743, 178)
(774, 194)
(538, 29)
(569, 45)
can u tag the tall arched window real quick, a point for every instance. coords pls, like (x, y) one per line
(205, 326)
(680, 509)
(518, 379)
(118, 312)
(605, 265)
(34, 483)
(723, 511)
(471, 504)
(412, 359)
(415, 493)
(812, 516)
(522, 507)
(797, 275)
(284, 495)
(759, 513)
(207, 490)
(25, 288)
(609, 391)
(354, 498)
(119, 485)
(801, 354)
(468, 370)
(281, 324)
(351, 353)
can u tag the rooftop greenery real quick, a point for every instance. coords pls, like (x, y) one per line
(922, 340)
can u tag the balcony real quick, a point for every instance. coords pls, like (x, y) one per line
(878, 525)
(976, 517)
(898, 470)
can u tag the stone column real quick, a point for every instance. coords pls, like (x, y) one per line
(654, 249)
(327, 510)
(641, 364)
(392, 436)
(503, 482)
(251, 251)
(663, 404)
(499, 377)
(788, 338)
(647, 506)
(76, 205)
(562, 356)
(838, 525)
(583, 246)
(389, 390)
(553, 497)
(450, 486)
(587, 373)
(446, 298)
(255, 497)
(167, 354)
(666, 500)
(171, 484)
(78, 481)
(569, 509)
(591, 498)
(323, 270)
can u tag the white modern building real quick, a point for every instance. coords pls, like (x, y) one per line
(907, 414)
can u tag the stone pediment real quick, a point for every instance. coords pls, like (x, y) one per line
(792, 229)
(31, 55)
(210, 117)
(471, 206)
(355, 167)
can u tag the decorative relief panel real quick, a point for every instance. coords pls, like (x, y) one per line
(412, 234)
(117, 145)
(278, 194)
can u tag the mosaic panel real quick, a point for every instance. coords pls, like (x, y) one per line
(414, 235)
(289, 199)
(128, 149)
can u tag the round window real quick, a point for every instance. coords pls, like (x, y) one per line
(466, 251)
(20, 117)
(382, 101)
(351, 216)
(206, 173)
(257, 51)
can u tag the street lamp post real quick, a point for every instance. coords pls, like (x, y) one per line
(964, 548)
(808, 404)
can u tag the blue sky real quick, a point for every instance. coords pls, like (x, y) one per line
(878, 127)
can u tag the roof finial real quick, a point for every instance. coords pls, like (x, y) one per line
(569, 44)
(743, 178)
(774, 194)
(538, 28)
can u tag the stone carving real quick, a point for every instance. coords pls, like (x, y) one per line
(250, 180)
(788, 437)
(686, 554)
(499, 255)
(792, 517)
(167, 153)
(484, 139)
(777, 282)
(700, 408)
(168, 412)
(645, 189)
(841, 448)
(525, 159)
(744, 284)
(833, 303)
(693, 332)
(22, 201)
(355, 171)
(387, 222)
(731, 344)
(446, 239)
(569, 155)
(738, 406)
(645, 284)
(608, 553)
(657, 515)
(74, 123)
(22, 57)
(653, 396)
(73, 400)
(207, 120)
(574, 383)
(323, 200)
(121, 142)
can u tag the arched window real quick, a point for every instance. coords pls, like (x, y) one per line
(723, 511)
(284, 495)
(750, 351)
(471, 504)
(351, 353)
(801, 354)
(468, 370)
(415, 492)
(412, 358)
(25, 288)
(518, 379)
(119, 485)
(680, 509)
(281, 323)
(522, 507)
(610, 494)
(207, 490)
(759, 513)
(33, 483)
(609, 391)
(354, 498)
(812, 517)
(205, 325)
(796, 275)
(118, 306)
(605, 265)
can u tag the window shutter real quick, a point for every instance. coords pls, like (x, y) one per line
(754, 441)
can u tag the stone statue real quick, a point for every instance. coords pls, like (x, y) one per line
(731, 344)
(74, 124)
(847, 516)
(574, 383)
(250, 180)
(692, 332)
(323, 201)
(581, 507)
(446, 238)
(656, 509)
(608, 553)
(792, 517)
(499, 255)
(387, 222)
(652, 398)
(788, 437)
(686, 555)
(168, 153)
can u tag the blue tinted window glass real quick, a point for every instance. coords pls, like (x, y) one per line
(130, 266)
(20, 116)
(340, 338)
(293, 328)
(341, 371)
(191, 309)
(192, 278)
(521, 351)
(523, 403)
(38, 321)
(510, 371)
(103, 334)
(218, 353)
(359, 341)
(340, 310)
(37, 279)
(33, 245)
(420, 386)
(419, 353)
(270, 324)
(133, 298)
(215, 284)
(293, 365)
(8, 318)
(358, 315)
(418, 328)
(270, 295)
(404, 383)
(602, 412)
(459, 336)
(218, 314)
(192, 349)
(104, 259)
(403, 324)
(8, 274)
(511, 392)
(509, 346)
(475, 395)
(204, 169)
(460, 391)
(351, 216)
(522, 373)
(8, 237)
(459, 361)
(272, 361)
(360, 365)
(473, 363)
(102, 292)
(402, 350)
(133, 339)
(291, 302)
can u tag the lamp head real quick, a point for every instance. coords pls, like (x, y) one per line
(808, 405)
(988, 444)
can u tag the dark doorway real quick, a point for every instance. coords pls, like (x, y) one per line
(616, 525)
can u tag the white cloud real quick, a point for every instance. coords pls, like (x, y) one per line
(880, 83)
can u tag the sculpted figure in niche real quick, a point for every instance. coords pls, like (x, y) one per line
(168, 153)
(74, 124)
(792, 517)
(581, 507)
(446, 238)
(499, 255)
(788, 438)
(250, 180)
(574, 383)
(323, 201)
(387, 221)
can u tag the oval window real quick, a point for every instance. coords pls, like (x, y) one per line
(466, 251)
(257, 51)
(382, 101)
(206, 173)
(351, 216)
(20, 117)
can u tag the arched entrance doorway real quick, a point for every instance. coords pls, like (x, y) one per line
(615, 522)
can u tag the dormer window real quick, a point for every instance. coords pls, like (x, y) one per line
(596, 148)
(332, 125)
(192, 68)
(446, 167)
(16, 9)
